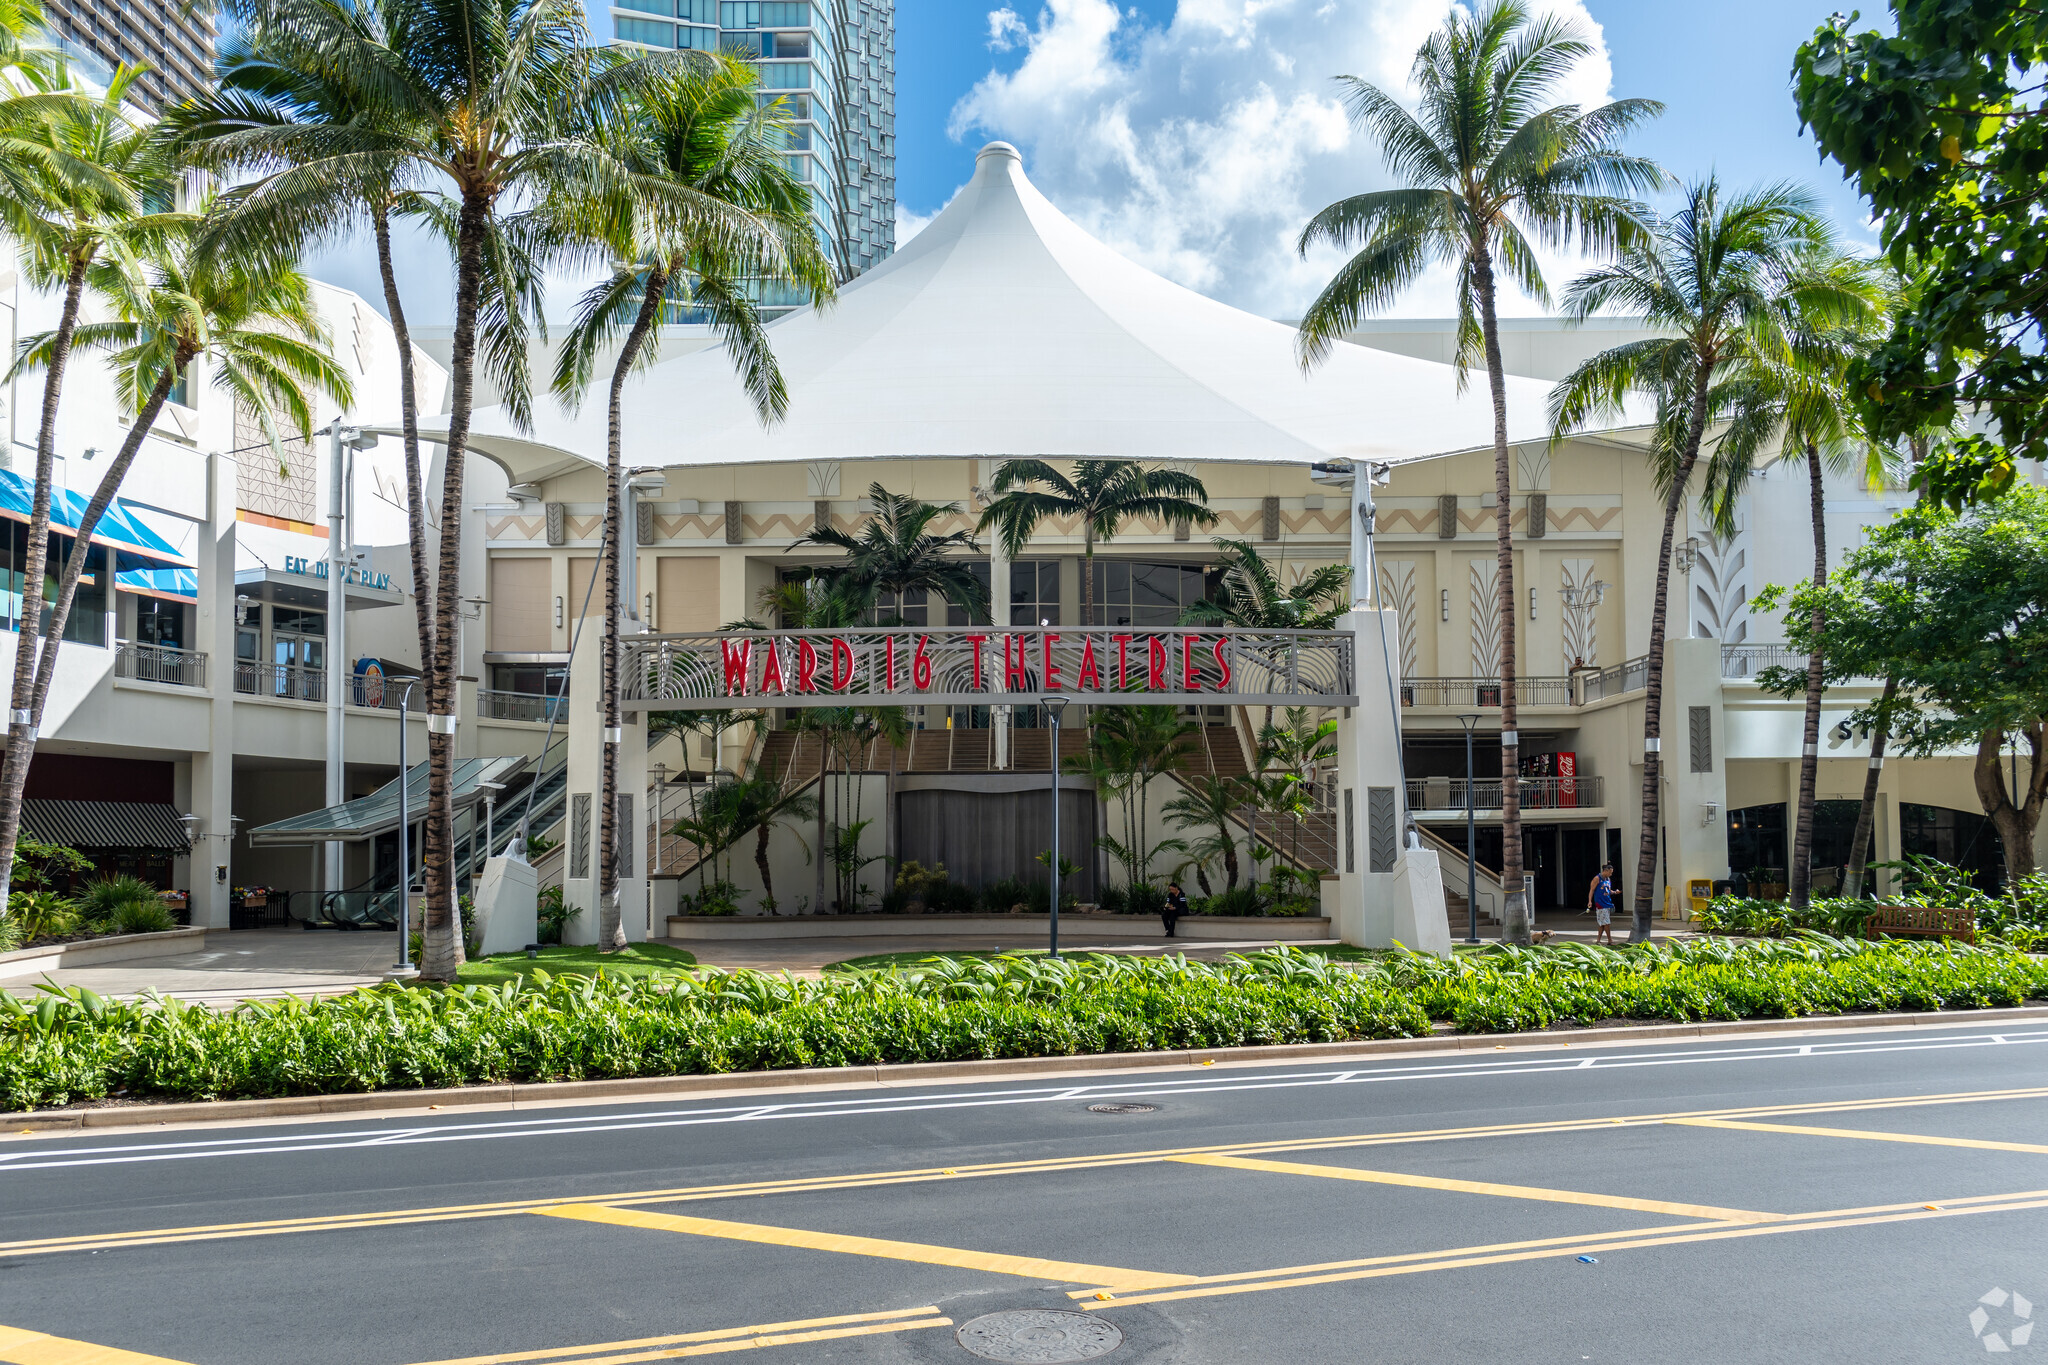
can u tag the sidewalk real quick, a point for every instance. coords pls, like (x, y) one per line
(243, 964)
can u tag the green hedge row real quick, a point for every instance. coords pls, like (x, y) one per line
(72, 1046)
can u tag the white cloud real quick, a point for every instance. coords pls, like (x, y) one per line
(909, 224)
(1199, 148)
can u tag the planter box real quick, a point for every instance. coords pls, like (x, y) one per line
(1076, 926)
(98, 952)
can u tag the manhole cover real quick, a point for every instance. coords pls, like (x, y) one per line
(1122, 1108)
(1040, 1336)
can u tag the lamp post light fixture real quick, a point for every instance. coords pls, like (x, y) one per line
(491, 790)
(1469, 720)
(404, 853)
(1580, 600)
(1054, 707)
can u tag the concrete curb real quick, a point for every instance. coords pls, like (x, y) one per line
(922, 1073)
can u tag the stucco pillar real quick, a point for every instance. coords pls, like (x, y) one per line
(1695, 767)
(1388, 892)
(213, 768)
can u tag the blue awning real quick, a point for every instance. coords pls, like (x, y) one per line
(137, 545)
(179, 585)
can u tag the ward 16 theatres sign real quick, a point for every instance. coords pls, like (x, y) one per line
(980, 666)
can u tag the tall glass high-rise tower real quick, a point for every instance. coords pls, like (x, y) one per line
(833, 62)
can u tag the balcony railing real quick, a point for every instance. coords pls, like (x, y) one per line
(1746, 661)
(290, 682)
(494, 705)
(160, 664)
(1436, 795)
(1617, 680)
(384, 694)
(1484, 693)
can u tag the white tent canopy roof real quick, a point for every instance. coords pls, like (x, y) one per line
(1005, 330)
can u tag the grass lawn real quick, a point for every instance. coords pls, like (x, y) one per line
(642, 959)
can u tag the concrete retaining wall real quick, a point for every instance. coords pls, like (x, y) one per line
(98, 952)
(1026, 929)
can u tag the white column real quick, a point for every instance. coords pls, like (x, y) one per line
(213, 768)
(999, 614)
(337, 645)
(585, 721)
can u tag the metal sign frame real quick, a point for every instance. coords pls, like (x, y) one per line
(983, 666)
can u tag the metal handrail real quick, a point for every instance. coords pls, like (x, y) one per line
(1447, 794)
(160, 664)
(379, 694)
(1484, 693)
(289, 682)
(492, 704)
(1746, 661)
(1632, 675)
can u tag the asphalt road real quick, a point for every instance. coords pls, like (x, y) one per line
(1763, 1200)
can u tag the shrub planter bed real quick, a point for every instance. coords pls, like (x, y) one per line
(73, 1048)
(1025, 928)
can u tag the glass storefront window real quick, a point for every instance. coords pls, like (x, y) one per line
(1035, 592)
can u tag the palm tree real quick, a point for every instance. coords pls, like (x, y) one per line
(78, 172)
(1134, 746)
(707, 205)
(1104, 494)
(1485, 163)
(1290, 756)
(482, 99)
(253, 321)
(1716, 281)
(1210, 804)
(896, 552)
(1251, 594)
(1802, 411)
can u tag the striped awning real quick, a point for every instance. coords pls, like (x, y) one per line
(106, 824)
(136, 545)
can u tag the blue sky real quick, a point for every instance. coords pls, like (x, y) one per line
(1195, 134)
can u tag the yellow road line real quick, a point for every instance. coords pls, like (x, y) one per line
(446, 1213)
(684, 1338)
(1031, 1266)
(1458, 1259)
(1430, 1182)
(19, 1347)
(715, 1343)
(1981, 1144)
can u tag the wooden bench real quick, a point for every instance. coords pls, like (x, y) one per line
(1919, 921)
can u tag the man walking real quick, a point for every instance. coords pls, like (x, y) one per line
(1600, 900)
(1176, 906)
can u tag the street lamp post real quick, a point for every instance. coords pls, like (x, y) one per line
(1054, 706)
(404, 853)
(1471, 840)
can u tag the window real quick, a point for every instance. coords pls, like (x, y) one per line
(955, 616)
(788, 76)
(1756, 843)
(698, 11)
(910, 608)
(534, 680)
(746, 45)
(1148, 595)
(665, 8)
(697, 39)
(158, 622)
(792, 44)
(1960, 838)
(1035, 592)
(285, 621)
(646, 32)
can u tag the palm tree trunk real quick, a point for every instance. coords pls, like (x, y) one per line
(1229, 854)
(81, 551)
(1801, 871)
(761, 833)
(611, 930)
(409, 414)
(1087, 572)
(1866, 814)
(21, 732)
(1653, 697)
(440, 934)
(1517, 915)
(818, 856)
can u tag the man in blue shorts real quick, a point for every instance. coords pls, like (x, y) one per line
(1600, 900)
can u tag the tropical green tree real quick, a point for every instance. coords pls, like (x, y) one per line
(79, 173)
(252, 320)
(1715, 282)
(1954, 606)
(1103, 494)
(1291, 756)
(1211, 805)
(1251, 594)
(895, 551)
(706, 208)
(1133, 747)
(479, 106)
(1801, 412)
(1939, 125)
(300, 115)
(1488, 163)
